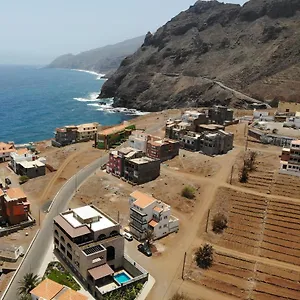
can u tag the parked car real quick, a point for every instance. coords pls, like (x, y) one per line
(145, 249)
(128, 236)
(7, 181)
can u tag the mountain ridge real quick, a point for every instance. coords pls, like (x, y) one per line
(252, 48)
(101, 60)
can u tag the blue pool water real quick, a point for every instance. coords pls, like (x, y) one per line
(122, 278)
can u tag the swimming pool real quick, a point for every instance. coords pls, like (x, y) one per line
(121, 278)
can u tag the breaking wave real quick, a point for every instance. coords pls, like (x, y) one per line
(99, 75)
(91, 98)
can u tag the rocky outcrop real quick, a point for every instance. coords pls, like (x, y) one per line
(252, 48)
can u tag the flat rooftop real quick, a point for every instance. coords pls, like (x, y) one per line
(142, 160)
(83, 215)
(31, 164)
(13, 193)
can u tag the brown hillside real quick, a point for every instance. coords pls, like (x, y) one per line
(254, 49)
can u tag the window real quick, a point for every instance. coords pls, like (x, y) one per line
(165, 217)
(166, 225)
(159, 227)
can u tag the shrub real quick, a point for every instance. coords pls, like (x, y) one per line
(219, 223)
(188, 192)
(204, 256)
(178, 296)
(23, 179)
(244, 174)
(250, 161)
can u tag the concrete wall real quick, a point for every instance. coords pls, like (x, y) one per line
(289, 107)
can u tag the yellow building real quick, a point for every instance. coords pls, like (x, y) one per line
(288, 107)
(87, 131)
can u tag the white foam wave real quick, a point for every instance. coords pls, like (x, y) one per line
(99, 75)
(91, 98)
(106, 105)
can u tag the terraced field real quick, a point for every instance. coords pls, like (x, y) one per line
(246, 279)
(261, 226)
(266, 179)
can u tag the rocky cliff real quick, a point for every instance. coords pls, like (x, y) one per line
(254, 48)
(102, 60)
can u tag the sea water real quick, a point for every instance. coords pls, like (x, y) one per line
(35, 100)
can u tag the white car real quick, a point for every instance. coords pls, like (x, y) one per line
(128, 236)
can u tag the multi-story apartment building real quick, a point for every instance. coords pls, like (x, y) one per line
(50, 290)
(24, 162)
(141, 170)
(5, 151)
(290, 159)
(114, 135)
(89, 241)
(220, 115)
(14, 206)
(138, 140)
(162, 149)
(216, 143)
(148, 213)
(117, 159)
(65, 136)
(87, 132)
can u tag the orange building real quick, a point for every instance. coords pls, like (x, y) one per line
(14, 206)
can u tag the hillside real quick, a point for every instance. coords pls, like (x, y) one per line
(100, 60)
(252, 48)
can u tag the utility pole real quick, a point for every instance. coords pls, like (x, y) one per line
(184, 259)
(207, 220)
(39, 217)
(118, 216)
(231, 174)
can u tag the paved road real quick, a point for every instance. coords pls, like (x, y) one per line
(35, 256)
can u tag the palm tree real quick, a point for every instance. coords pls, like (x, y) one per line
(27, 284)
(149, 237)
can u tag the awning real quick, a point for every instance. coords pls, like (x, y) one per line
(101, 271)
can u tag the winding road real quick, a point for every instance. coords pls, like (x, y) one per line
(35, 255)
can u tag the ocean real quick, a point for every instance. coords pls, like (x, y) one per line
(34, 101)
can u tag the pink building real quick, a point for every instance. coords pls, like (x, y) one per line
(116, 160)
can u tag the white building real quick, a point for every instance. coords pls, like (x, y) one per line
(290, 159)
(138, 140)
(292, 122)
(148, 213)
(260, 114)
(5, 151)
(20, 155)
(190, 114)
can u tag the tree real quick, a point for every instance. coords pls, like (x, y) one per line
(251, 160)
(149, 237)
(188, 192)
(204, 256)
(244, 174)
(25, 297)
(27, 284)
(219, 223)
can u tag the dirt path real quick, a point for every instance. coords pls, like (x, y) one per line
(168, 283)
(58, 173)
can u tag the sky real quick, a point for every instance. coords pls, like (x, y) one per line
(37, 31)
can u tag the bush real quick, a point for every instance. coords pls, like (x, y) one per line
(178, 296)
(188, 192)
(244, 174)
(129, 293)
(219, 223)
(23, 179)
(204, 256)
